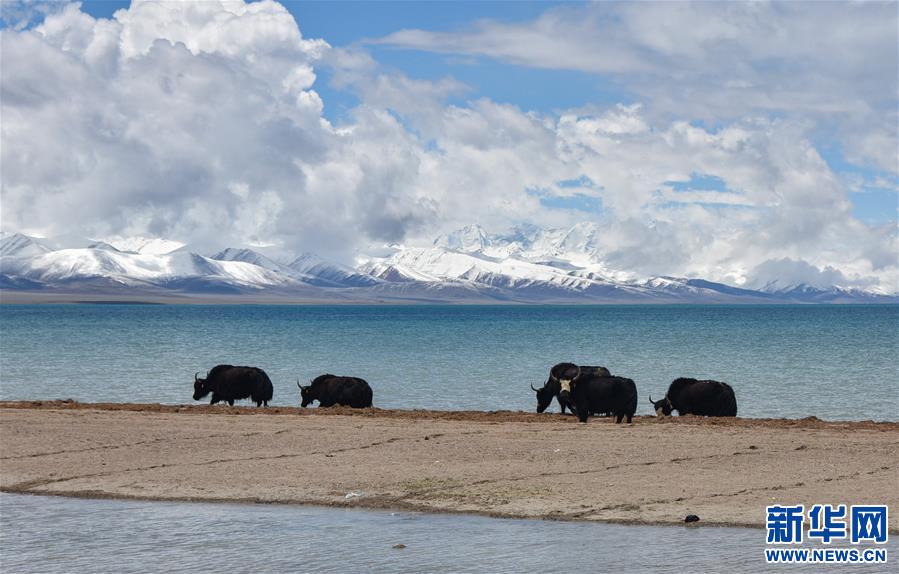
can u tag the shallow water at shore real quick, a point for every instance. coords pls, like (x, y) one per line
(49, 534)
(833, 362)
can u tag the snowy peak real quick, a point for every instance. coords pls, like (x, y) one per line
(239, 273)
(395, 273)
(581, 238)
(249, 256)
(103, 245)
(20, 245)
(144, 245)
(780, 287)
(812, 293)
(581, 242)
(327, 274)
(104, 262)
(522, 234)
(469, 239)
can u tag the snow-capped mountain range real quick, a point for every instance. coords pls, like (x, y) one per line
(527, 264)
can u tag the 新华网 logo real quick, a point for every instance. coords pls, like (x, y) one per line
(859, 525)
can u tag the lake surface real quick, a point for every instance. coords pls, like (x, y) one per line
(833, 362)
(49, 535)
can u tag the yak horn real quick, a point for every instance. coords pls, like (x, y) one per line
(197, 374)
(652, 402)
(299, 386)
(532, 387)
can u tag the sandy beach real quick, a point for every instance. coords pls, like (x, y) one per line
(507, 464)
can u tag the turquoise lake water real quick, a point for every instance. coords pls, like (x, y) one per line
(833, 362)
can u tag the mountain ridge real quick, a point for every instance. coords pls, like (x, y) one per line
(525, 265)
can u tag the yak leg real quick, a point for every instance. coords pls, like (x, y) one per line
(581, 411)
(630, 418)
(618, 417)
(230, 402)
(214, 400)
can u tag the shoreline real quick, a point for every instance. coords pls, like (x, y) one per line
(498, 464)
(11, 297)
(371, 505)
(204, 408)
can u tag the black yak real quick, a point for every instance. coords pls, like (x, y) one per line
(230, 383)
(330, 390)
(692, 397)
(552, 387)
(587, 393)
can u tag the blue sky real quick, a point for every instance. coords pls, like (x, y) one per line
(349, 23)
(706, 137)
(876, 199)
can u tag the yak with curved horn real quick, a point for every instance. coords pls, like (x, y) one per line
(229, 383)
(587, 393)
(552, 387)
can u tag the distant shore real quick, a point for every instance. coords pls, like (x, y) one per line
(508, 464)
(350, 296)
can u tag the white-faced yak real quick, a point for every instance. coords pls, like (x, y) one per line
(552, 387)
(588, 393)
(692, 397)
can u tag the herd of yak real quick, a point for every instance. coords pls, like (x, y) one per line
(583, 390)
